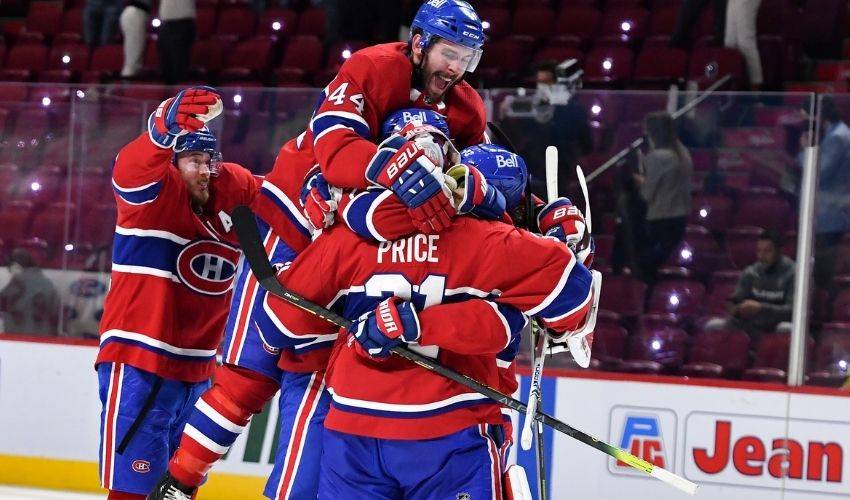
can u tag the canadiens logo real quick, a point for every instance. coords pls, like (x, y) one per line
(142, 466)
(207, 266)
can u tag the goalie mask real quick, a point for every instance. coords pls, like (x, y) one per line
(203, 141)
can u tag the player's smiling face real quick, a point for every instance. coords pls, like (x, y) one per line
(194, 167)
(444, 65)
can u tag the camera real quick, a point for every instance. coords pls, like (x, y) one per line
(539, 106)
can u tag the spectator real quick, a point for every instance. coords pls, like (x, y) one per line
(688, 16)
(665, 185)
(134, 23)
(176, 36)
(832, 204)
(29, 302)
(741, 34)
(100, 21)
(763, 297)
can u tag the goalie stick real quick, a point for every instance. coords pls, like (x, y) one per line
(245, 224)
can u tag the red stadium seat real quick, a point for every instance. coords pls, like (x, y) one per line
(278, 21)
(237, 20)
(822, 23)
(49, 224)
(340, 51)
(209, 53)
(71, 57)
(623, 294)
(627, 24)
(653, 321)
(31, 57)
(44, 17)
(741, 245)
(773, 349)
(713, 212)
(609, 343)
(605, 66)
(682, 297)
(658, 67)
(764, 210)
(711, 63)
(841, 306)
(717, 299)
(107, 58)
(205, 21)
(72, 20)
(665, 346)
(557, 54)
(663, 20)
(312, 22)
(535, 21)
(718, 353)
(506, 55)
(580, 21)
(833, 352)
(765, 374)
(499, 20)
(15, 219)
(698, 251)
(254, 54)
(303, 52)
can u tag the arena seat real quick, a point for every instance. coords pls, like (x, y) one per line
(666, 346)
(718, 353)
(682, 297)
(623, 294)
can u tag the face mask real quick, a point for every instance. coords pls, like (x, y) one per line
(15, 268)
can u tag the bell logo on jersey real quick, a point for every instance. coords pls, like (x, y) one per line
(647, 433)
(207, 266)
(141, 466)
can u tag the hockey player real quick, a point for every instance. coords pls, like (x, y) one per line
(250, 375)
(424, 72)
(433, 436)
(172, 266)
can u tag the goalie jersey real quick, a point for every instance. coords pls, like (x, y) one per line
(172, 269)
(458, 269)
(344, 126)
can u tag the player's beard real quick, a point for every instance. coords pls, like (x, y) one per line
(437, 83)
(200, 192)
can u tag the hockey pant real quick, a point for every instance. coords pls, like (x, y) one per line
(134, 445)
(467, 464)
(243, 344)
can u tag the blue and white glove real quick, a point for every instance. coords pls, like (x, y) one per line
(186, 112)
(479, 197)
(319, 199)
(412, 169)
(393, 322)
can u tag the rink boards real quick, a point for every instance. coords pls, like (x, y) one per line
(737, 440)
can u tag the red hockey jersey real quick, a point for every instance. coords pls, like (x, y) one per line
(172, 269)
(470, 261)
(346, 122)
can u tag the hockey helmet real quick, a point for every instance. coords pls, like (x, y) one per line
(202, 140)
(452, 20)
(398, 119)
(502, 169)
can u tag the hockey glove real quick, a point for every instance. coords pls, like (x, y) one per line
(319, 199)
(186, 112)
(479, 197)
(563, 220)
(406, 168)
(394, 321)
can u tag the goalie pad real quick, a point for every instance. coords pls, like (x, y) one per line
(575, 341)
(516, 484)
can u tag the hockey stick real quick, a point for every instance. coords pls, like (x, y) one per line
(245, 224)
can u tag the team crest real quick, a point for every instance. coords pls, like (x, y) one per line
(141, 466)
(207, 266)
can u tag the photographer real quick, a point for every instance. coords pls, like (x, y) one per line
(553, 117)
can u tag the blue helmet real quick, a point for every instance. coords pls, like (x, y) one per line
(452, 20)
(202, 140)
(502, 169)
(398, 119)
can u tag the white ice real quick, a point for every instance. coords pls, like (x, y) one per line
(16, 493)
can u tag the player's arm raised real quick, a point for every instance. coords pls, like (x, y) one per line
(142, 164)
